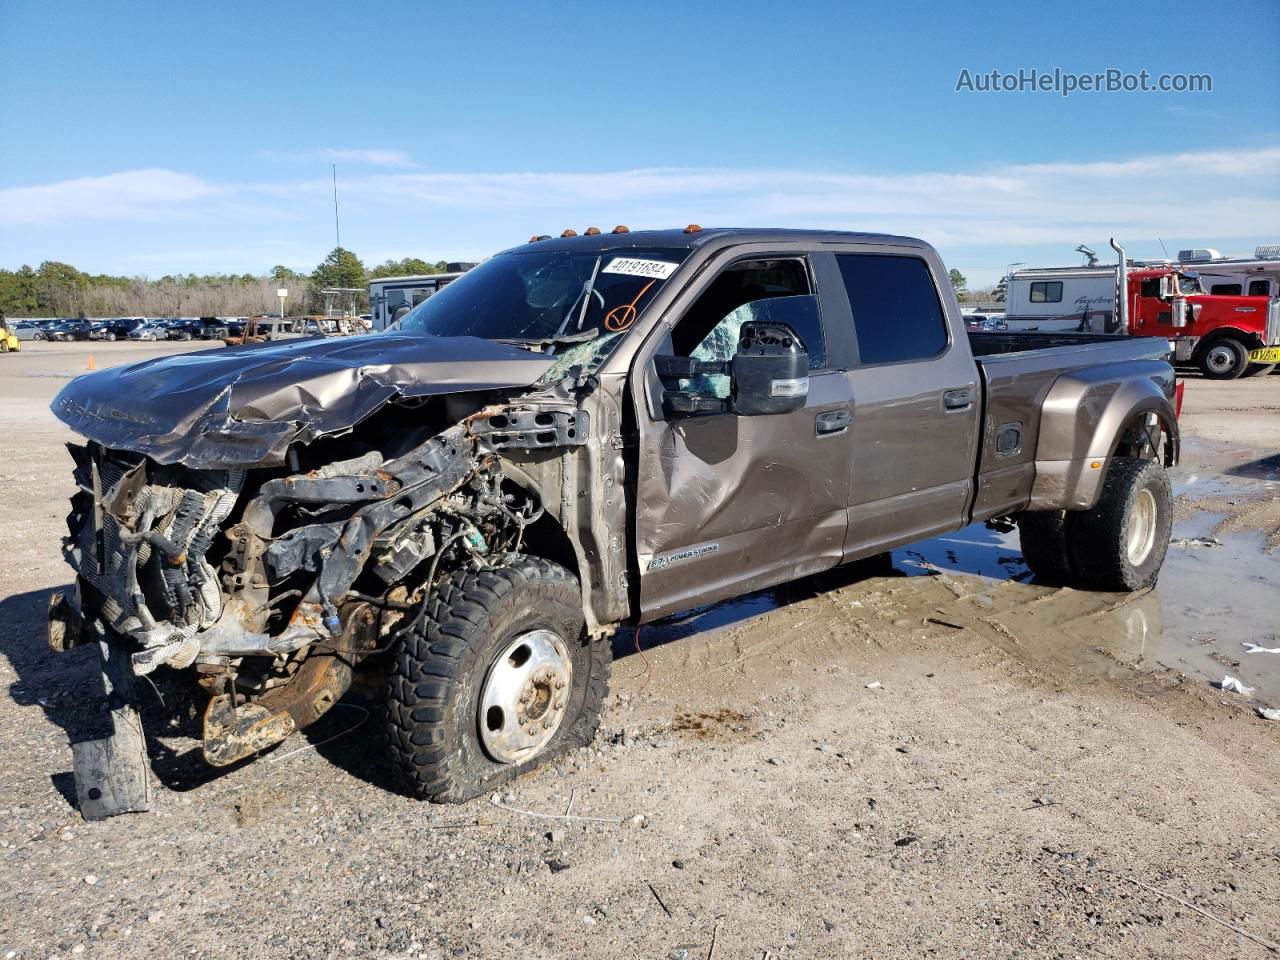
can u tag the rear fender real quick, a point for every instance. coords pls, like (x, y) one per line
(1085, 418)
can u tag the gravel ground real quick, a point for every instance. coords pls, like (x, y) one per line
(942, 760)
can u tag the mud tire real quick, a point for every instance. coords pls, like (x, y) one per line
(440, 668)
(1044, 536)
(1098, 538)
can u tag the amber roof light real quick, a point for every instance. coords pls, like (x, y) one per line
(592, 232)
(621, 228)
(693, 228)
(569, 233)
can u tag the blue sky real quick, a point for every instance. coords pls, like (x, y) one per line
(148, 138)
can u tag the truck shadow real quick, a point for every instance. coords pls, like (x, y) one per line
(68, 690)
(1264, 468)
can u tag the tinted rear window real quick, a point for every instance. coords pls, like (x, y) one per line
(896, 313)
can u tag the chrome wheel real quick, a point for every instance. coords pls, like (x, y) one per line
(524, 697)
(1140, 527)
(1220, 359)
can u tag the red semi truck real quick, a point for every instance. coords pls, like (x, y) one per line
(1225, 336)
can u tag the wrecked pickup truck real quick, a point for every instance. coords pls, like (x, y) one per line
(580, 432)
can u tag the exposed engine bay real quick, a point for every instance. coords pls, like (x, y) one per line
(275, 583)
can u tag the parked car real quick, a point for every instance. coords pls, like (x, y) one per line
(68, 330)
(263, 330)
(150, 330)
(121, 327)
(745, 406)
(28, 329)
(102, 330)
(187, 328)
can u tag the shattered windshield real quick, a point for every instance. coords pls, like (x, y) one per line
(572, 305)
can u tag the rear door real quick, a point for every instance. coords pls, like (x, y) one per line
(728, 503)
(916, 400)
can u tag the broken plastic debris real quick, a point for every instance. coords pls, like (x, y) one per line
(1197, 542)
(1257, 648)
(1231, 683)
(1269, 713)
(873, 685)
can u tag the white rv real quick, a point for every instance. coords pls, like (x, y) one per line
(1236, 276)
(390, 298)
(1079, 299)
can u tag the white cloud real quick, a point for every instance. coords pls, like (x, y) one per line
(372, 158)
(131, 195)
(985, 215)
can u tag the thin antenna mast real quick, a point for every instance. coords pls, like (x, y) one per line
(1162, 247)
(337, 235)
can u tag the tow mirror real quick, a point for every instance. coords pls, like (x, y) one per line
(768, 374)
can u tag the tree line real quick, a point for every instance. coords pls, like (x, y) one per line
(56, 289)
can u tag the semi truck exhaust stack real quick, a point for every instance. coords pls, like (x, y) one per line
(1122, 287)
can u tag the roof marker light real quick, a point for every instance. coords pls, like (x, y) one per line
(621, 228)
(693, 228)
(569, 233)
(592, 232)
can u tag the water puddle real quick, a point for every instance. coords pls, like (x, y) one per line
(1218, 594)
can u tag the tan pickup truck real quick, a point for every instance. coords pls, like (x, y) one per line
(580, 432)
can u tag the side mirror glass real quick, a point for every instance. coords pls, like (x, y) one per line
(768, 372)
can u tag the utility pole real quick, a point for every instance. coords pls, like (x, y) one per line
(337, 236)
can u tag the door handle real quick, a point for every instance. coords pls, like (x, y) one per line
(833, 421)
(960, 399)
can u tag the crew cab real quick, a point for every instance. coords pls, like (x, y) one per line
(579, 433)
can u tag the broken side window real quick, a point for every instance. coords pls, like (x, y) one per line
(710, 329)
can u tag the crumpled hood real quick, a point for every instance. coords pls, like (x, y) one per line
(243, 406)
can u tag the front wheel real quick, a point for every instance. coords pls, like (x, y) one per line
(497, 677)
(1224, 359)
(1121, 543)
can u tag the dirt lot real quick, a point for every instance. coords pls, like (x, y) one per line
(941, 760)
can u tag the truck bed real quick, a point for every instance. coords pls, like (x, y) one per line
(986, 344)
(1017, 372)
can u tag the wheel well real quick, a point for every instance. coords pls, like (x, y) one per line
(545, 538)
(1208, 342)
(1137, 441)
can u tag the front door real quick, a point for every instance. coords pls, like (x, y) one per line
(727, 503)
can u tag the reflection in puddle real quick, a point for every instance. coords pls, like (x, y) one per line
(1216, 593)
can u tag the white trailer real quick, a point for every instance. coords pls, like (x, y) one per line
(1080, 299)
(390, 298)
(1236, 276)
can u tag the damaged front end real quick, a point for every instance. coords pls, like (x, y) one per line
(274, 588)
(272, 581)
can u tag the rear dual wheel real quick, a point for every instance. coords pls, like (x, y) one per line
(1119, 544)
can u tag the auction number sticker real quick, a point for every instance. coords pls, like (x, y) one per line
(635, 267)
